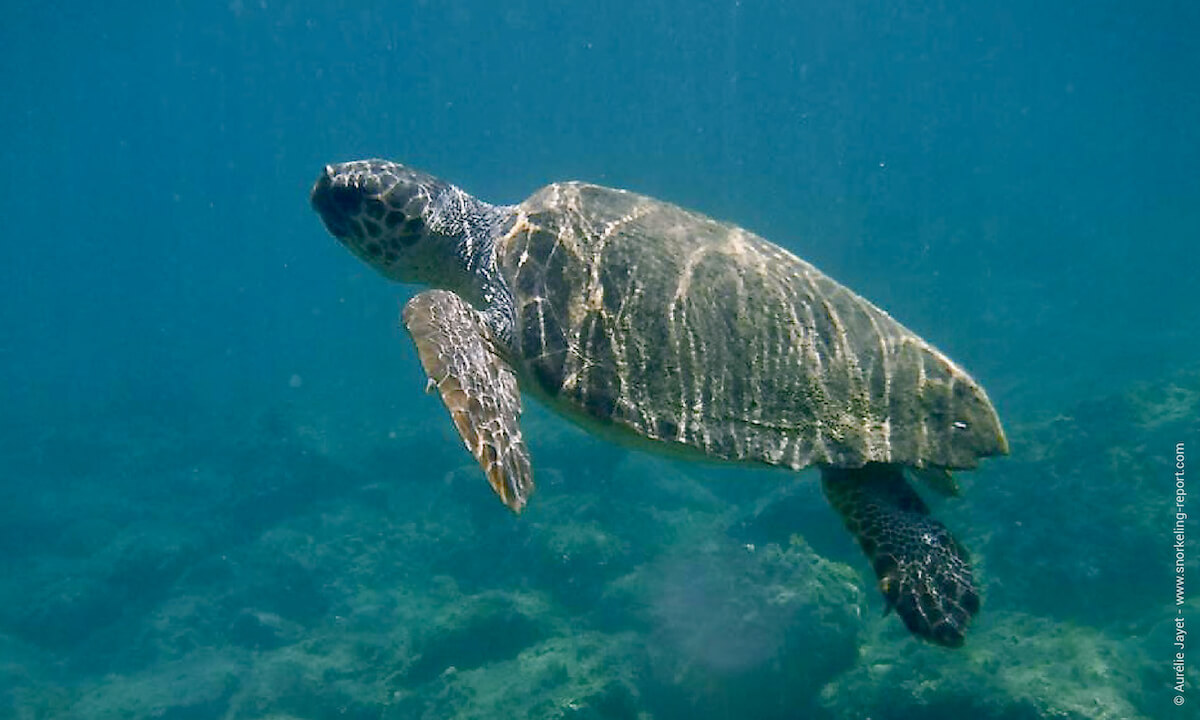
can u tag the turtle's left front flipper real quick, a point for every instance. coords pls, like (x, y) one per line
(478, 387)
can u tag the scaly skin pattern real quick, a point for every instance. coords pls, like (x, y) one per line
(479, 389)
(637, 314)
(923, 571)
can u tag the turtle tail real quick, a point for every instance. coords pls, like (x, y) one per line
(924, 573)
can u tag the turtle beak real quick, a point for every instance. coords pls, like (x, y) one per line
(336, 201)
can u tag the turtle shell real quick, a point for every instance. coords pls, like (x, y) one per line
(639, 317)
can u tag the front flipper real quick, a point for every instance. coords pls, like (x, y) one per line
(924, 573)
(478, 387)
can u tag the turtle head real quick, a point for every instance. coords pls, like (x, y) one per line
(407, 224)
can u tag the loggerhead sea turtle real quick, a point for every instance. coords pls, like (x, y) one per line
(671, 331)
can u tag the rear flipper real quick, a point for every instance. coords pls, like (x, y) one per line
(924, 573)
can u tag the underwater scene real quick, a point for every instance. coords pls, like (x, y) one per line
(620, 457)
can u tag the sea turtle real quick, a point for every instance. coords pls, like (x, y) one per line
(662, 328)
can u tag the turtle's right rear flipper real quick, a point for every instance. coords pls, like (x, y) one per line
(924, 573)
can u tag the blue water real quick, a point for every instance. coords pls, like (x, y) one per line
(195, 374)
